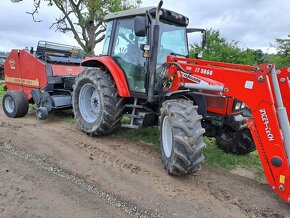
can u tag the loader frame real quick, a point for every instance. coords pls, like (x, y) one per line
(270, 123)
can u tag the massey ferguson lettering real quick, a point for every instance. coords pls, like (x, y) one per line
(265, 120)
(190, 77)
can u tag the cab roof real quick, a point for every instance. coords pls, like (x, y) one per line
(128, 13)
(167, 15)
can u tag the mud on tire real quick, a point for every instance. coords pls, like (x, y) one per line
(97, 106)
(15, 104)
(181, 137)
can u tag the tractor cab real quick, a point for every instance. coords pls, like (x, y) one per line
(130, 41)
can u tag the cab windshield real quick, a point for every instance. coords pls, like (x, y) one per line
(173, 40)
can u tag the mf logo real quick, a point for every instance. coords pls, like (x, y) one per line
(69, 70)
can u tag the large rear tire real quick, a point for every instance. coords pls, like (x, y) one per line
(240, 142)
(181, 137)
(15, 104)
(97, 107)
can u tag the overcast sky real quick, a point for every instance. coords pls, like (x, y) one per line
(254, 23)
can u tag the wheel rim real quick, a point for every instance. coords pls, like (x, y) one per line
(167, 137)
(39, 114)
(9, 104)
(89, 103)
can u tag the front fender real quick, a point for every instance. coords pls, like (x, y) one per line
(198, 99)
(107, 63)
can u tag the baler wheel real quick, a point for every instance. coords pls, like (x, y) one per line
(41, 113)
(181, 137)
(97, 106)
(15, 104)
(240, 142)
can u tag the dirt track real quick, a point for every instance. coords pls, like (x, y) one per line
(51, 169)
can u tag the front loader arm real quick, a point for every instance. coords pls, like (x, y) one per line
(284, 82)
(256, 86)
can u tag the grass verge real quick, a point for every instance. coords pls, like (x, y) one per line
(65, 116)
(2, 92)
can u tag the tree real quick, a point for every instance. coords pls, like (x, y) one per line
(218, 49)
(282, 58)
(283, 46)
(83, 18)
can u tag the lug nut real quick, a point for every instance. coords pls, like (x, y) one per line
(278, 71)
(282, 80)
(281, 188)
(270, 66)
(256, 68)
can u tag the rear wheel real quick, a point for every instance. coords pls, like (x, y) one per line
(15, 104)
(239, 142)
(181, 137)
(98, 108)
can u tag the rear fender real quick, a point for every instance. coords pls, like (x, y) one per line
(107, 63)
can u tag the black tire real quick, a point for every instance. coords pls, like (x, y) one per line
(41, 113)
(186, 154)
(240, 142)
(110, 104)
(18, 104)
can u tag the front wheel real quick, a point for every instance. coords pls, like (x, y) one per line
(181, 137)
(97, 106)
(239, 142)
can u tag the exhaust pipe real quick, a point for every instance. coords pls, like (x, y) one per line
(153, 59)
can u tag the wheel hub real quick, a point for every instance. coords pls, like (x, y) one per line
(9, 104)
(89, 103)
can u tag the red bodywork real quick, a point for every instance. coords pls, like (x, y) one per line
(24, 72)
(252, 86)
(107, 63)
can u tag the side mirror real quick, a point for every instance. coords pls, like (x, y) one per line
(198, 55)
(202, 31)
(140, 26)
(203, 39)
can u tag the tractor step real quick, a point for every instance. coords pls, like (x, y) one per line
(132, 116)
(130, 126)
(136, 106)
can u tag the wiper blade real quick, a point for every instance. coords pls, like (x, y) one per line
(176, 54)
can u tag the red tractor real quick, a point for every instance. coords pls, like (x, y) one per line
(44, 77)
(145, 74)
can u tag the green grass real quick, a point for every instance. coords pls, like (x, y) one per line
(217, 158)
(149, 135)
(1, 91)
(65, 116)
